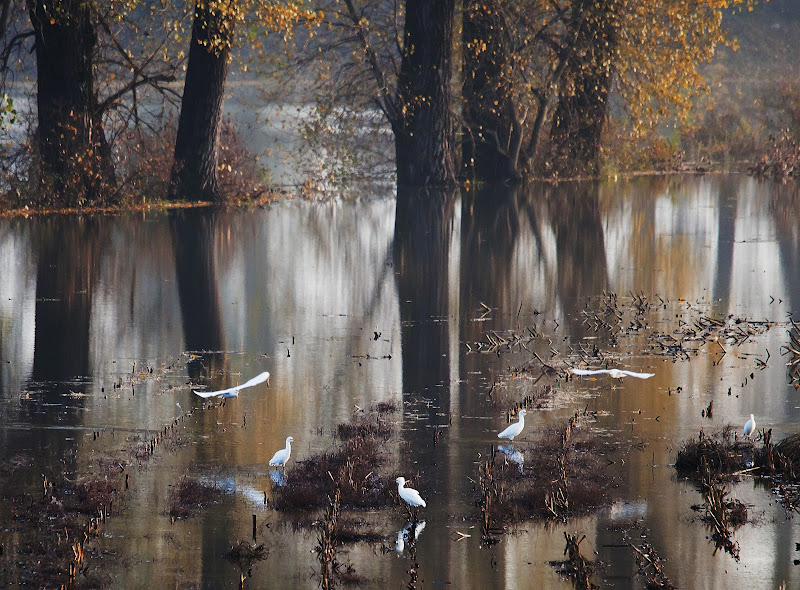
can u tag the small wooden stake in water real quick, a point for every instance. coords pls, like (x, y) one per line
(254, 528)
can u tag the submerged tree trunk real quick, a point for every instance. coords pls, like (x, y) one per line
(582, 106)
(194, 170)
(422, 127)
(75, 158)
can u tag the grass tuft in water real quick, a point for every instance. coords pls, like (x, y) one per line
(190, 495)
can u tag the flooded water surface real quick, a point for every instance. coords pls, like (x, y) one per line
(451, 311)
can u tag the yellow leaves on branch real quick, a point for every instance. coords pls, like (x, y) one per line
(260, 16)
(661, 46)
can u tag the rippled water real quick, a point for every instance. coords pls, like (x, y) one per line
(107, 323)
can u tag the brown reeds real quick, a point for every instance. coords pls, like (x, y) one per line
(576, 566)
(792, 348)
(650, 567)
(327, 541)
(721, 513)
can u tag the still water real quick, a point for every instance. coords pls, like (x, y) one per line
(106, 324)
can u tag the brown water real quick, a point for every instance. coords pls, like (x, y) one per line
(89, 306)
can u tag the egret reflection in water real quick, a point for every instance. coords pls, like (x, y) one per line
(513, 455)
(404, 535)
(277, 477)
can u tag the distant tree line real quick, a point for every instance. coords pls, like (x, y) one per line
(494, 90)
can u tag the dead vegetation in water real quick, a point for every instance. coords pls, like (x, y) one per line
(563, 474)
(723, 454)
(721, 513)
(650, 565)
(576, 567)
(720, 451)
(67, 517)
(351, 467)
(792, 348)
(245, 554)
(190, 495)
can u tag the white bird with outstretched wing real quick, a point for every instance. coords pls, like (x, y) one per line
(234, 391)
(615, 373)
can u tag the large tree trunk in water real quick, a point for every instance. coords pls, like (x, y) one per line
(76, 165)
(492, 133)
(423, 128)
(581, 114)
(194, 169)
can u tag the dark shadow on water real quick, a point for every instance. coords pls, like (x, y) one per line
(192, 235)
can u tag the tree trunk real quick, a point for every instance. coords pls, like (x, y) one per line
(423, 129)
(194, 168)
(580, 114)
(76, 164)
(492, 132)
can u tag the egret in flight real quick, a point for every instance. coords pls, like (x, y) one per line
(615, 373)
(234, 391)
(514, 429)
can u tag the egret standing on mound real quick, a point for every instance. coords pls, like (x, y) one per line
(749, 426)
(514, 429)
(280, 458)
(410, 496)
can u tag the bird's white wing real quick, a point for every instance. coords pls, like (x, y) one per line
(639, 375)
(215, 393)
(588, 372)
(222, 392)
(255, 380)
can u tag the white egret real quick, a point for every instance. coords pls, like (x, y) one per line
(615, 373)
(280, 458)
(410, 495)
(749, 426)
(514, 429)
(234, 391)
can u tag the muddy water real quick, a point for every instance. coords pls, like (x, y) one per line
(106, 325)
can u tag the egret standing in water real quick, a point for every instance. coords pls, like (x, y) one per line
(749, 426)
(514, 429)
(280, 458)
(410, 496)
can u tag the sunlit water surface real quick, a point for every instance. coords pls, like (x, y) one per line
(107, 323)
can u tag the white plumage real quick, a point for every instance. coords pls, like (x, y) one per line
(749, 426)
(280, 458)
(615, 373)
(514, 429)
(234, 391)
(410, 495)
